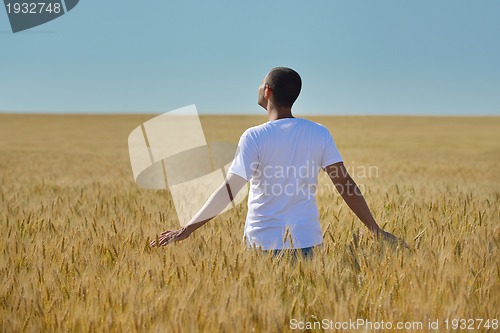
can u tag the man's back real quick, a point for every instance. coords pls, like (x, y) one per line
(281, 159)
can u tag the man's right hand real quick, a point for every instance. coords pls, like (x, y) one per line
(170, 236)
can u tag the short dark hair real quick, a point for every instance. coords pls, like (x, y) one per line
(285, 84)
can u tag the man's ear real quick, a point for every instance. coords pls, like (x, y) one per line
(267, 91)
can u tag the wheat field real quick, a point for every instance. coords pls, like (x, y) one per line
(76, 228)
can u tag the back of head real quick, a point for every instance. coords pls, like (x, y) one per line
(285, 84)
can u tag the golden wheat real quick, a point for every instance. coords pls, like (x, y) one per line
(75, 255)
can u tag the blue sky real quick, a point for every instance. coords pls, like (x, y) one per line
(439, 57)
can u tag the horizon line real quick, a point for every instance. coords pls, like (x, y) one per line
(95, 113)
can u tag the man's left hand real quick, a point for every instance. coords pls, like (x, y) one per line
(170, 236)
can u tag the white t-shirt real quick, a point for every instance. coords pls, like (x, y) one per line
(282, 159)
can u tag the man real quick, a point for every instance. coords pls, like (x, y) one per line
(281, 159)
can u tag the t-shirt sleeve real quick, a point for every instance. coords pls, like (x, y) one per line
(331, 154)
(246, 158)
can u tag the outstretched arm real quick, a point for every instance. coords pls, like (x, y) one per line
(217, 202)
(351, 194)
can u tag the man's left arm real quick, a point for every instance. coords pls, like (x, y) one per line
(217, 202)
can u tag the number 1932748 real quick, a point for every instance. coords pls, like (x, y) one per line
(33, 8)
(470, 324)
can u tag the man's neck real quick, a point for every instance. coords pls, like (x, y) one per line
(275, 112)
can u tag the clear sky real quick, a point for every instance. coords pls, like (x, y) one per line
(437, 57)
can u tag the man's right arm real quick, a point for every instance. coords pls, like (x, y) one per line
(353, 197)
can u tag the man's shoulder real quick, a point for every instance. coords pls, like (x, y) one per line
(255, 131)
(313, 124)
